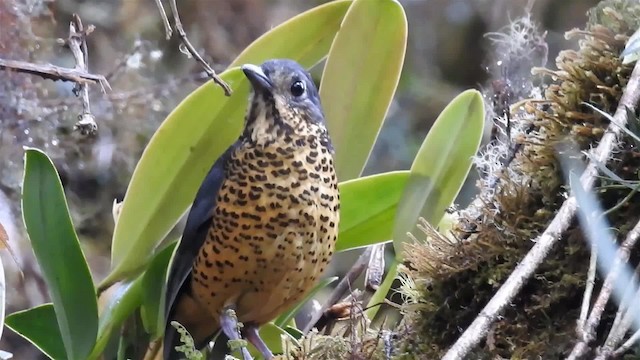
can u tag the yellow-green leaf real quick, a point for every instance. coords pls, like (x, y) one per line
(441, 165)
(306, 37)
(360, 78)
(367, 209)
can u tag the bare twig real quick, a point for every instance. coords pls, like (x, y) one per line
(375, 270)
(587, 333)
(627, 344)
(617, 331)
(77, 42)
(52, 72)
(560, 223)
(588, 289)
(185, 41)
(165, 20)
(343, 286)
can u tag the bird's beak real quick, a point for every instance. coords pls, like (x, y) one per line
(257, 77)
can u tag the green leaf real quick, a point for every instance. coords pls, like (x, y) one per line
(286, 317)
(367, 209)
(360, 78)
(153, 288)
(56, 246)
(120, 301)
(194, 135)
(306, 37)
(441, 165)
(39, 326)
(437, 174)
(294, 332)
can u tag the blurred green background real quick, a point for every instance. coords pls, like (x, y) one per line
(447, 53)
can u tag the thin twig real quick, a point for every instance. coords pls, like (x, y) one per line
(543, 245)
(165, 20)
(627, 344)
(616, 333)
(77, 42)
(343, 286)
(588, 289)
(52, 72)
(587, 332)
(183, 37)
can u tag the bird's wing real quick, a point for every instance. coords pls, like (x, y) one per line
(193, 237)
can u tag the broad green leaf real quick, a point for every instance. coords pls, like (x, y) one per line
(153, 288)
(39, 326)
(441, 165)
(306, 37)
(368, 208)
(284, 319)
(193, 136)
(437, 174)
(360, 78)
(55, 244)
(120, 300)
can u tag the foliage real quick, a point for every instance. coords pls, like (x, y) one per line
(364, 44)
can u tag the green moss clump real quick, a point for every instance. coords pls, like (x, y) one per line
(449, 280)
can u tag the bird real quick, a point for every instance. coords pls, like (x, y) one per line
(263, 226)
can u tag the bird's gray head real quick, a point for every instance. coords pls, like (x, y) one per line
(284, 101)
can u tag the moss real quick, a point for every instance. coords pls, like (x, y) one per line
(447, 283)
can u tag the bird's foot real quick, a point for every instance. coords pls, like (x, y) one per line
(253, 336)
(230, 327)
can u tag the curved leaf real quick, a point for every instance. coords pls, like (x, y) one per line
(153, 288)
(360, 78)
(55, 244)
(306, 37)
(39, 326)
(119, 303)
(441, 165)
(368, 208)
(185, 146)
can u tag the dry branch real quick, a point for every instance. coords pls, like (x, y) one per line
(77, 42)
(543, 245)
(52, 72)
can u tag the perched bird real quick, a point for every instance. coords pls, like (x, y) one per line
(264, 222)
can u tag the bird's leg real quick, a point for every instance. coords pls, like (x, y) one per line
(251, 334)
(229, 325)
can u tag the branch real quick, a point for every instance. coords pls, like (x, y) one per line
(507, 292)
(52, 72)
(343, 286)
(77, 42)
(587, 331)
(185, 41)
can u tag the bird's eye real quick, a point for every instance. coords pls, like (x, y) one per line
(297, 88)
